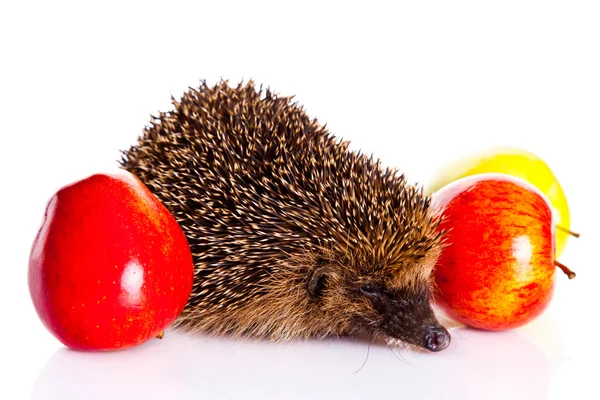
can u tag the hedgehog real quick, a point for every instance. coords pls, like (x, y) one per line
(293, 234)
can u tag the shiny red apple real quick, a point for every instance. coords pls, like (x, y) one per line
(110, 267)
(497, 269)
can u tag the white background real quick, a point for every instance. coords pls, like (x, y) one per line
(413, 82)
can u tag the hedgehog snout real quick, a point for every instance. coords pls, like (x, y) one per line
(407, 316)
(437, 338)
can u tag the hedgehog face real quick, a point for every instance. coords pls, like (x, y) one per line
(394, 307)
(403, 314)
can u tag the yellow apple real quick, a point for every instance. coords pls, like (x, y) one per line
(516, 162)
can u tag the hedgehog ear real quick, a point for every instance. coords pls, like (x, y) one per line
(317, 282)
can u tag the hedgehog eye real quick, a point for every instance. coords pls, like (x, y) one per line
(368, 289)
(317, 283)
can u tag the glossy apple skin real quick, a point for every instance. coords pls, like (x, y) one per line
(497, 269)
(110, 267)
(516, 162)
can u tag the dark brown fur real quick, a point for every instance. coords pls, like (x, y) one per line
(293, 235)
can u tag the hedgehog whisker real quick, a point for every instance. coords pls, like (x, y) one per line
(395, 346)
(366, 358)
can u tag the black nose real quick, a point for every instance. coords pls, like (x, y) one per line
(437, 338)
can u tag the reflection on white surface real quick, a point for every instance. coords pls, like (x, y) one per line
(477, 365)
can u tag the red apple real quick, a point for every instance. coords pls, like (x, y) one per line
(497, 269)
(110, 267)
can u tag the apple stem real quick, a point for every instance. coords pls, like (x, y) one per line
(560, 228)
(161, 335)
(565, 269)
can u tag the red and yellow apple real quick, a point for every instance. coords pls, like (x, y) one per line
(516, 162)
(110, 267)
(496, 270)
